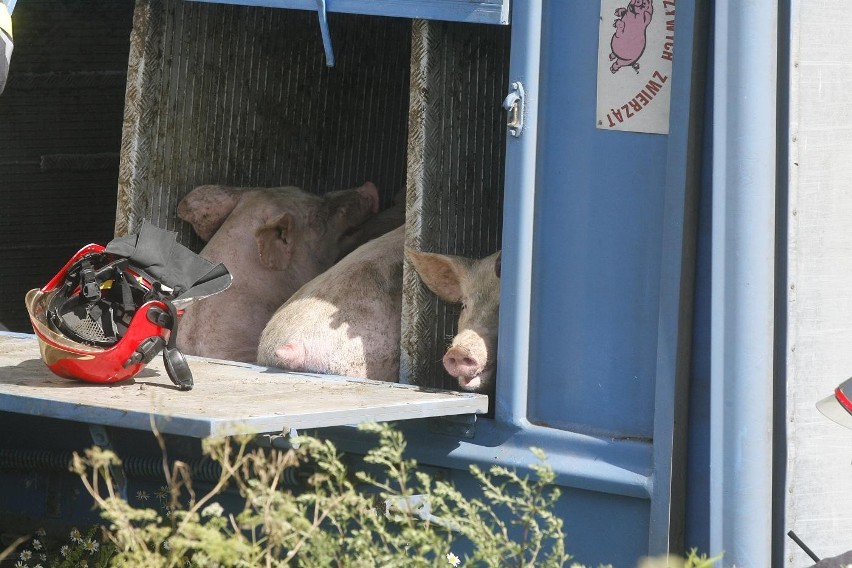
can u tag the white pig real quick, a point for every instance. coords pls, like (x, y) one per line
(346, 321)
(272, 240)
(475, 284)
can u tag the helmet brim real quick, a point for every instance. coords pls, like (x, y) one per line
(831, 408)
(37, 301)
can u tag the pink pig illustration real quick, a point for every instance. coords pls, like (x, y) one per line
(628, 41)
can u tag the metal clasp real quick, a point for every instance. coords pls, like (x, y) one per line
(514, 103)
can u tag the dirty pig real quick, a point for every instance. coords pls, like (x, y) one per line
(272, 240)
(475, 284)
(628, 41)
(346, 321)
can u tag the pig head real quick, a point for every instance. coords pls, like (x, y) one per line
(628, 41)
(346, 321)
(272, 240)
(472, 356)
(384, 222)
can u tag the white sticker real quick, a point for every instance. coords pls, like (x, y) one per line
(635, 51)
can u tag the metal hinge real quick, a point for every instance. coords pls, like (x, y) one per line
(514, 103)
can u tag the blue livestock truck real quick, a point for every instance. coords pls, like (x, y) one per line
(664, 179)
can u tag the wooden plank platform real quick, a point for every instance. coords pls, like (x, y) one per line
(228, 398)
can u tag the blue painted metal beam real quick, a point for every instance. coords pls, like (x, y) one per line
(478, 11)
(513, 353)
(743, 281)
(613, 466)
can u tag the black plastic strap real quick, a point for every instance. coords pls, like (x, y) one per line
(89, 286)
(126, 294)
(175, 363)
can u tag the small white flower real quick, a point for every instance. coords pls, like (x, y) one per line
(142, 495)
(91, 546)
(41, 533)
(212, 510)
(76, 536)
(36, 544)
(42, 557)
(162, 493)
(20, 564)
(453, 559)
(64, 550)
(38, 566)
(26, 555)
(166, 545)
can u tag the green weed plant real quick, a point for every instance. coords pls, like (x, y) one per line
(393, 515)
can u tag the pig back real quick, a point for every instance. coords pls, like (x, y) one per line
(346, 321)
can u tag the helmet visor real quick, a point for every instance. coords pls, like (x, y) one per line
(54, 346)
(838, 406)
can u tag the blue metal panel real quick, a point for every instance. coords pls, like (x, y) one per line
(593, 536)
(479, 11)
(599, 218)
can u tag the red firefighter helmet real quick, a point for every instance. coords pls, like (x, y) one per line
(110, 310)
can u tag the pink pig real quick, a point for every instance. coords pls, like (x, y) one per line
(628, 41)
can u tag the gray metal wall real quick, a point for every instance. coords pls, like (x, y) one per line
(60, 133)
(242, 96)
(819, 302)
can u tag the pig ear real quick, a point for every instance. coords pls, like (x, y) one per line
(207, 206)
(275, 242)
(441, 273)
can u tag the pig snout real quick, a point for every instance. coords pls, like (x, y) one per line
(467, 360)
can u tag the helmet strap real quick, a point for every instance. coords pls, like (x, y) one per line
(176, 366)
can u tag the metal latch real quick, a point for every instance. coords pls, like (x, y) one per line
(326, 34)
(514, 103)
